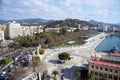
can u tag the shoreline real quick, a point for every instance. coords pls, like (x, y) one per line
(88, 48)
(80, 55)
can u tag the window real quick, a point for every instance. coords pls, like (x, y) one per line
(96, 73)
(110, 76)
(101, 68)
(115, 77)
(100, 74)
(110, 70)
(92, 66)
(116, 71)
(96, 67)
(96, 78)
(106, 69)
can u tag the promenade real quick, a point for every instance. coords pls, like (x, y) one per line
(80, 56)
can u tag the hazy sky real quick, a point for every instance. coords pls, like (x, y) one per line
(100, 10)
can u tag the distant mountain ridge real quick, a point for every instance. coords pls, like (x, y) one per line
(52, 23)
(110, 24)
(26, 21)
(68, 23)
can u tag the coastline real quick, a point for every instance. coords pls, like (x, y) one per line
(88, 48)
(80, 54)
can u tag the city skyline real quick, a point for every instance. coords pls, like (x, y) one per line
(100, 10)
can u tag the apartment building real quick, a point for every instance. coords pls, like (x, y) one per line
(13, 30)
(107, 67)
(1, 35)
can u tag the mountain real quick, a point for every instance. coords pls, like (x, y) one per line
(3, 21)
(102, 23)
(68, 23)
(118, 24)
(26, 21)
(94, 22)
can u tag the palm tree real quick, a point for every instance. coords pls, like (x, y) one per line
(78, 74)
(55, 73)
(48, 77)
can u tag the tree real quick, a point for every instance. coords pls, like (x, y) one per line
(90, 76)
(2, 62)
(104, 77)
(55, 73)
(78, 74)
(41, 51)
(1, 40)
(77, 30)
(44, 75)
(64, 56)
(17, 74)
(37, 66)
(48, 77)
(63, 30)
(14, 45)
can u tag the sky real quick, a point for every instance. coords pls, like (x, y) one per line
(100, 10)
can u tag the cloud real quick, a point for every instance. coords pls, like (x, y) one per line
(67, 2)
(60, 9)
(103, 13)
(102, 3)
(41, 6)
(5, 2)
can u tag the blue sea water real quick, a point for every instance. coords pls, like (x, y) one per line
(110, 42)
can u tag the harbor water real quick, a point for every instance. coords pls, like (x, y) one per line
(112, 40)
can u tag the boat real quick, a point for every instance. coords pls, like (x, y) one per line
(114, 49)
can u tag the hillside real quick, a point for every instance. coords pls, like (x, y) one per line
(68, 23)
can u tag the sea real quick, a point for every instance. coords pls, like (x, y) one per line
(111, 41)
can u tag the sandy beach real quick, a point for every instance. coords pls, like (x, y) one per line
(80, 55)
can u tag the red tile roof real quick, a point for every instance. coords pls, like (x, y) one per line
(105, 63)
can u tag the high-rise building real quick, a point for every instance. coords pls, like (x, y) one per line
(105, 28)
(79, 26)
(13, 30)
(1, 35)
(105, 68)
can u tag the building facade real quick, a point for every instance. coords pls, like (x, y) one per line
(105, 68)
(13, 30)
(1, 35)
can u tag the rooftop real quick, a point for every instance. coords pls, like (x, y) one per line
(115, 54)
(105, 63)
(111, 58)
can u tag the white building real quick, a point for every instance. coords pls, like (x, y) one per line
(26, 30)
(13, 30)
(105, 28)
(85, 28)
(1, 35)
(52, 30)
(31, 30)
(71, 29)
(79, 26)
